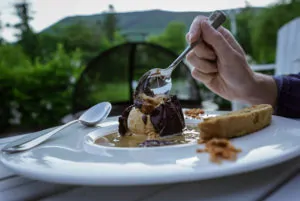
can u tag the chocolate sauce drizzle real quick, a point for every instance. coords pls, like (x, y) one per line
(123, 127)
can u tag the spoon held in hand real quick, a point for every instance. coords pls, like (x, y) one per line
(158, 80)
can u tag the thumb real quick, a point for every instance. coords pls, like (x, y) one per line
(214, 38)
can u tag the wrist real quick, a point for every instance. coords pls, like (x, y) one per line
(262, 91)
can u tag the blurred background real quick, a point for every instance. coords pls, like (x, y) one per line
(57, 58)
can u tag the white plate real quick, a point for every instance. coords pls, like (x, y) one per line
(70, 158)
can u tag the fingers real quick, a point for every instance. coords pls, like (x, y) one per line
(203, 51)
(195, 31)
(204, 70)
(202, 65)
(205, 78)
(216, 45)
(231, 40)
(214, 38)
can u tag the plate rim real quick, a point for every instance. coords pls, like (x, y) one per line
(240, 168)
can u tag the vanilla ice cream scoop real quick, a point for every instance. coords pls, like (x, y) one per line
(139, 123)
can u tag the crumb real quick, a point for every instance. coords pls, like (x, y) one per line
(194, 113)
(220, 149)
(150, 103)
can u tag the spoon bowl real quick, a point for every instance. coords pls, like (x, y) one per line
(158, 80)
(95, 114)
(90, 117)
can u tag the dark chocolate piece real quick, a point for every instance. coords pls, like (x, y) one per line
(123, 127)
(167, 118)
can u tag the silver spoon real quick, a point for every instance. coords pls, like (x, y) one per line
(159, 80)
(91, 117)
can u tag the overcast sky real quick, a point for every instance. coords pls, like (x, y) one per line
(48, 12)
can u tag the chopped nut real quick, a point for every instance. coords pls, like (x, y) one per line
(194, 113)
(220, 149)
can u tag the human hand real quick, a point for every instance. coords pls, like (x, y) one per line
(219, 61)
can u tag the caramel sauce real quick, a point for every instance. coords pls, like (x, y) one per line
(189, 135)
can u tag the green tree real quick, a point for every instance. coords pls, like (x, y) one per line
(173, 37)
(81, 36)
(265, 27)
(243, 36)
(110, 23)
(12, 56)
(90, 39)
(78, 35)
(23, 84)
(25, 35)
(48, 45)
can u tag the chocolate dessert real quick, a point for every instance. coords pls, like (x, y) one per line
(155, 116)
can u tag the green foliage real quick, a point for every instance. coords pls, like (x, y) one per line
(41, 92)
(265, 26)
(72, 37)
(26, 37)
(110, 23)
(29, 43)
(243, 21)
(12, 56)
(91, 40)
(173, 37)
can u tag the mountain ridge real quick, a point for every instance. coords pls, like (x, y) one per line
(148, 21)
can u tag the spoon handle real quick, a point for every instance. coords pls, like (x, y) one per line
(30, 141)
(216, 19)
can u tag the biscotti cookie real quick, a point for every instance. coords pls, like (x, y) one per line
(237, 123)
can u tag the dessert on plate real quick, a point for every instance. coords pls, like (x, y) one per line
(153, 116)
(152, 119)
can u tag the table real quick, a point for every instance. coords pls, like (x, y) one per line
(277, 183)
